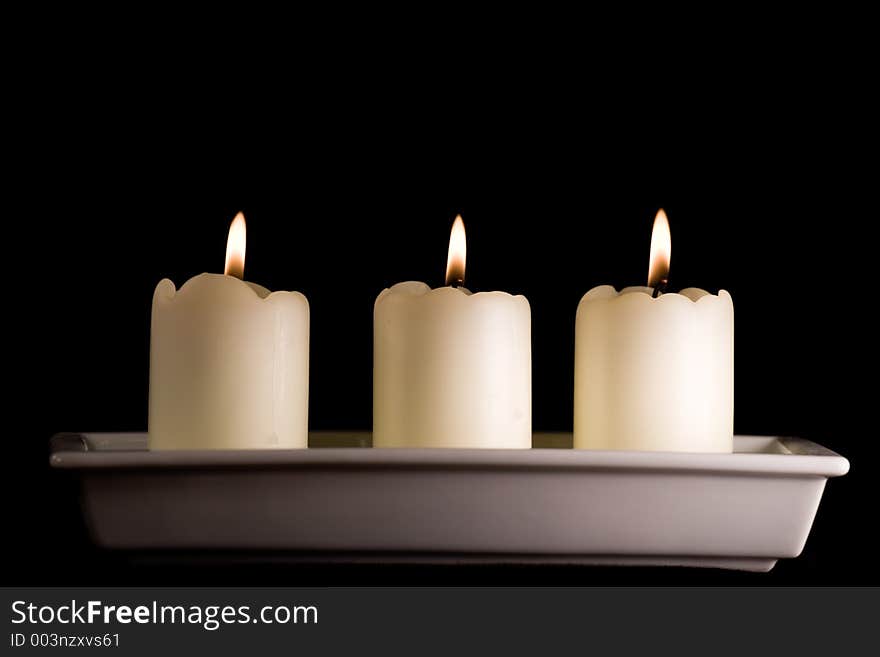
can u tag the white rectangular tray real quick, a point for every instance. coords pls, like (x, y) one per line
(548, 504)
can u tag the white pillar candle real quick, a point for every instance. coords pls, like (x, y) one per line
(654, 373)
(228, 362)
(451, 368)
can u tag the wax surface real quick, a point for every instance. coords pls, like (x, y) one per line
(229, 366)
(654, 373)
(451, 369)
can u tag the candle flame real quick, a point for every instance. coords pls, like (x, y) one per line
(457, 254)
(661, 251)
(235, 247)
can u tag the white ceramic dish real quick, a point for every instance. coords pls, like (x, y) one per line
(743, 510)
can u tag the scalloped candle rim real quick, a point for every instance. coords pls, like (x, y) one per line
(166, 290)
(693, 297)
(639, 294)
(416, 289)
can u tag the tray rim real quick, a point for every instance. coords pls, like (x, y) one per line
(797, 457)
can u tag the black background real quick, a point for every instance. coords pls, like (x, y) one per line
(767, 183)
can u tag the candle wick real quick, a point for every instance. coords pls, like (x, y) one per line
(659, 288)
(458, 282)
